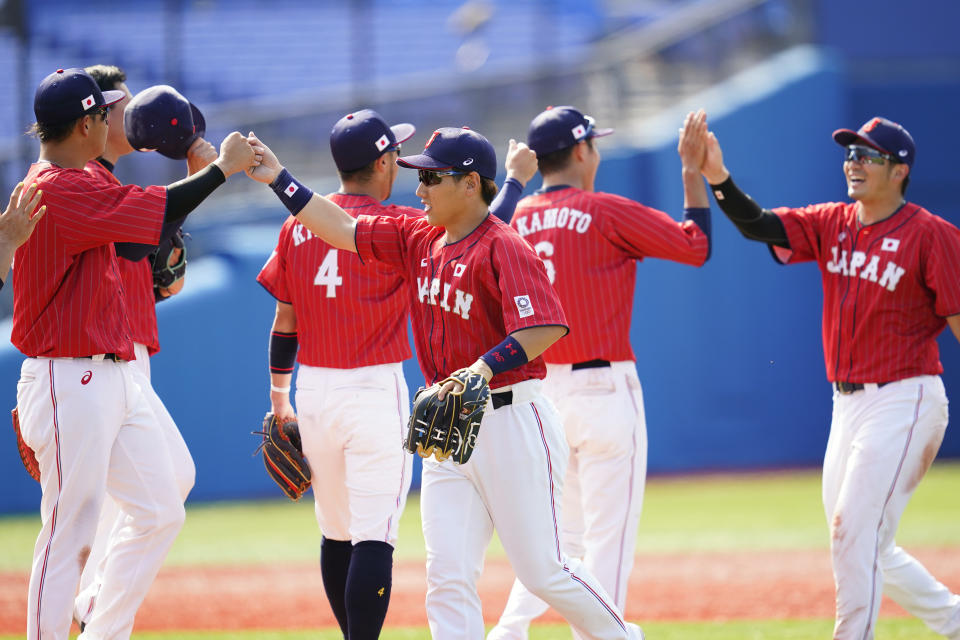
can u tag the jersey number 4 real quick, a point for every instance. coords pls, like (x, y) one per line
(328, 275)
(544, 250)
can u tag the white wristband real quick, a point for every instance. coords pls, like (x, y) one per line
(274, 387)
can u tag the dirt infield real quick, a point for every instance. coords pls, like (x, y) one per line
(690, 587)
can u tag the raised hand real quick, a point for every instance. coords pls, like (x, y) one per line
(19, 219)
(521, 162)
(692, 146)
(269, 167)
(199, 155)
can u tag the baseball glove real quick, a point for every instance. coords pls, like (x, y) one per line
(283, 456)
(448, 427)
(26, 453)
(165, 274)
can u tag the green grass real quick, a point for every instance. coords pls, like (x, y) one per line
(887, 629)
(731, 512)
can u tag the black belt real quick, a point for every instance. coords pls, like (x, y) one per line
(501, 399)
(589, 364)
(850, 387)
(107, 356)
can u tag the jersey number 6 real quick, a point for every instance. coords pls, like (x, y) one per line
(544, 251)
(328, 274)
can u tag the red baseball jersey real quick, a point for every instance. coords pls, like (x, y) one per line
(590, 243)
(137, 280)
(68, 299)
(887, 287)
(348, 314)
(467, 295)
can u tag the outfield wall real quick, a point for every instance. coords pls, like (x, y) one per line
(729, 355)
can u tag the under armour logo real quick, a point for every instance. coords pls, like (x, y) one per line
(87, 375)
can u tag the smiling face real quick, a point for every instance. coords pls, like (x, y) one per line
(872, 175)
(442, 197)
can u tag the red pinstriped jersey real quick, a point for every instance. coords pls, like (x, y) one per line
(348, 314)
(137, 280)
(887, 287)
(468, 295)
(590, 243)
(68, 299)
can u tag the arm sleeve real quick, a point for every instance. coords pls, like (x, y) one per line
(506, 201)
(134, 251)
(184, 196)
(753, 222)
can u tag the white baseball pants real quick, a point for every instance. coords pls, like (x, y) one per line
(111, 519)
(94, 435)
(882, 441)
(352, 424)
(605, 425)
(514, 483)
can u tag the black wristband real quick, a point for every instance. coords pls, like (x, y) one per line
(292, 193)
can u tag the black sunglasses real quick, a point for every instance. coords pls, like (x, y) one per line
(430, 178)
(861, 154)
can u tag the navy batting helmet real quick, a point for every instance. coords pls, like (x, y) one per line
(160, 118)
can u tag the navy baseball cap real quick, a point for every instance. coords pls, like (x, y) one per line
(461, 149)
(67, 94)
(361, 137)
(883, 135)
(160, 118)
(557, 128)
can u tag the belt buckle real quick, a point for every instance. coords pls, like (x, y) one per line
(846, 388)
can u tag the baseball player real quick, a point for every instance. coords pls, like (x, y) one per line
(136, 276)
(480, 299)
(590, 243)
(17, 222)
(350, 441)
(81, 407)
(891, 283)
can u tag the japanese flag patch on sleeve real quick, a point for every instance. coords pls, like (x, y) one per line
(524, 307)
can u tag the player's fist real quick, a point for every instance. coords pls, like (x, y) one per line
(199, 155)
(236, 154)
(521, 162)
(267, 167)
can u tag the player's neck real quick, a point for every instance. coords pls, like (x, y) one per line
(462, 225)
(372, 189)
(66, 154)
(569, 177)
(874, 210)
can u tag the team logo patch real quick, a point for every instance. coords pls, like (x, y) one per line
(524, 307)
(459, 269)
(718, 194)
(890, 244)
(88, 102)
(291, 189)
(579, 131)
(382, 143)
